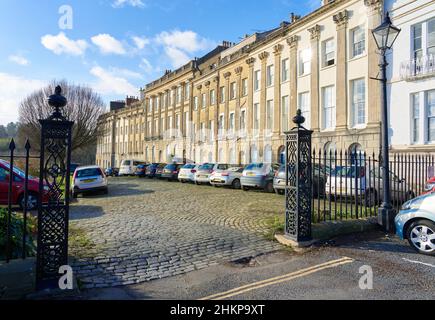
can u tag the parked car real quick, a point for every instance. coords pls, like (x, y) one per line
(259, 176)
(88, 179)
(354, 180)
(202, 176)
(319, 174)
(151, 170)
(18, 187)
(111, 172)
(430, 186)
(140, 171)
(159, 170)
(187, 173)
(73, 167)
(416, 223)
(171, 171)
(230, 177)
(128, 167)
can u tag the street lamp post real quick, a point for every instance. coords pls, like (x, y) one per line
(385, 35)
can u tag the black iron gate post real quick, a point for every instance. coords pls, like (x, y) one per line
(53, 204)
(299, 191)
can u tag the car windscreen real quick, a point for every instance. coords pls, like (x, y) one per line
(171, 167)
(255, 167)
(91, 172)
(189, 166)
(207, 166)
(126, 163)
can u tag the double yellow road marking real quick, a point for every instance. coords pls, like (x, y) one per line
(279, 279)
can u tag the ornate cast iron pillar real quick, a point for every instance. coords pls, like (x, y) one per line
(299, 185)
(53, 207)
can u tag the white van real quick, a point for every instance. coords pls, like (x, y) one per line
(128, 167)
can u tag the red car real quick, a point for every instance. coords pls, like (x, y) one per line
(18, 187)
(430, 186)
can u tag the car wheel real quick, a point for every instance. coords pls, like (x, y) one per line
(198, 183)
(32, 201)
(236, 184)
(421, 237)
(370, 198)
(245, 188)
(279, 192)
(269, 187)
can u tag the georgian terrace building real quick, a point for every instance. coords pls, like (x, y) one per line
(234, 104)
(412, 73)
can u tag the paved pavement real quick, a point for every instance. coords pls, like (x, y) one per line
(148, 229)
(329, 272)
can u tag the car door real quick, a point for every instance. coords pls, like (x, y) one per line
(4, 185)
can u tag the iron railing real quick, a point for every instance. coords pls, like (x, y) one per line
(17, 198)
(418, 68)
(349, 185)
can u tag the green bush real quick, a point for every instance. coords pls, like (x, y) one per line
(16, 238)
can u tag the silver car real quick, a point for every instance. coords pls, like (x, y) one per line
(187, 173)
(416, 223)
(230, 177)
(202, 176)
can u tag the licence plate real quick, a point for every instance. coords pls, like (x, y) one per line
(88, 180)
(251, 174)
(167, 171)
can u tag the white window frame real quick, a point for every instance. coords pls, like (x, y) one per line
(269, 116)
(358, 49)
(257, 80)
(305, 106)
(358, 110)
(233, 90)
(329, 108)
(328, 52)
(285, 110)
(244, 87)
(304, 62)
(270, 75)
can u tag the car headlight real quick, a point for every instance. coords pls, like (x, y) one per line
(46, 188)
(429, 187)
(413, 204)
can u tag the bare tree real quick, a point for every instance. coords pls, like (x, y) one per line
(84, 108)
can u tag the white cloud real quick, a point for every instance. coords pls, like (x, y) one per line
(110, 83)
(133, 3)
(177, 56)
(18, 59)
(108, 44)
(62, 44)
(141, 42)
(126, 73)
(146, 66)
(188, 41)
(13, 89)
(180, 45)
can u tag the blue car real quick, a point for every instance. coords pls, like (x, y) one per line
(416, 223)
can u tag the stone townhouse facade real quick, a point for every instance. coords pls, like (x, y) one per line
(234, 104)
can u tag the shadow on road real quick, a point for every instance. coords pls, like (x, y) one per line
(371, 241)
(85, 212)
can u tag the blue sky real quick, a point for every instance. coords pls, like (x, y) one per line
(117, 46)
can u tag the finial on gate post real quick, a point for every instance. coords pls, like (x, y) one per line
(299, 119)
(57, 101)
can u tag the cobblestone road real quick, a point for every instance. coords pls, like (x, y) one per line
(149, 229)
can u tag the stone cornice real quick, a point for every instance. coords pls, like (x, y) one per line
(314, 32)
(341, 18)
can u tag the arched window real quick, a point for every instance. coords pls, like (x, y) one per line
(329, 150)
(281, 155)
(221, 155)
(232, 156)
(254, 154)
(268, 154)
(356, 154)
